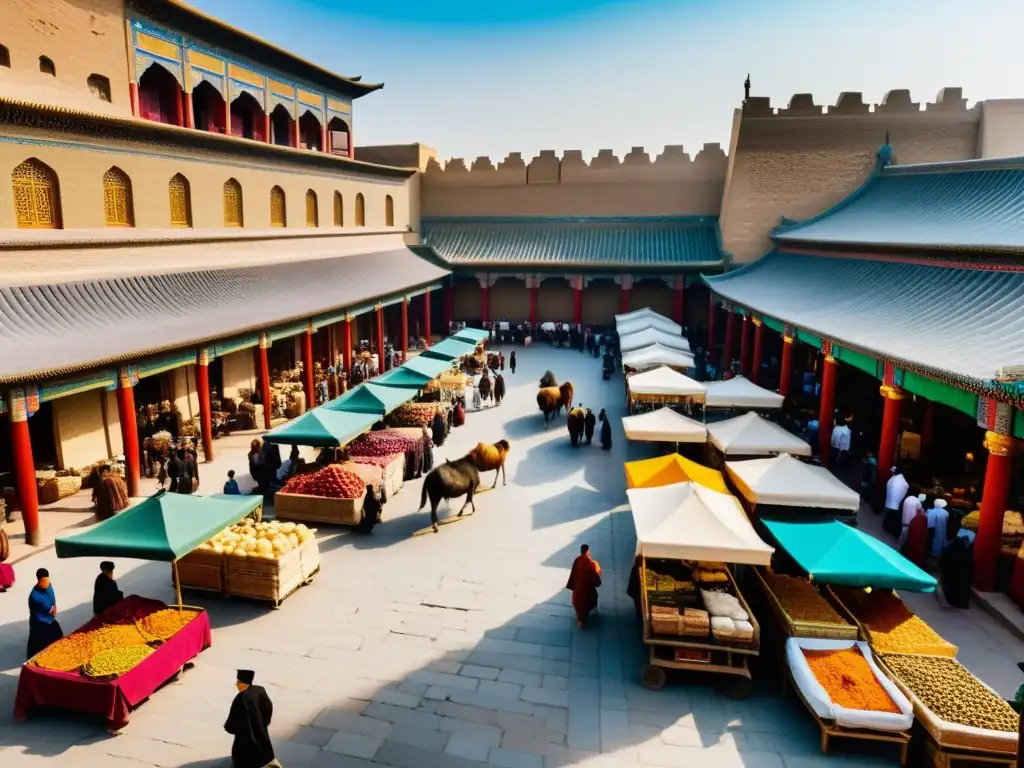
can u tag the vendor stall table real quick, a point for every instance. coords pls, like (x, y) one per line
(113, 699)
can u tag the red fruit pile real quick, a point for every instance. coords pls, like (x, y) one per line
(331, 482)
(383, 443)
(377, 461)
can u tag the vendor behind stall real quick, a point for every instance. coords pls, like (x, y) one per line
(105, 592)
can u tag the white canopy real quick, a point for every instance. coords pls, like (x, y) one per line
(664, 381)
(750, 435)
(649, 336)
(686, 521)
(627, 327)
(644, 314)
(664, 426)
(655, 355)
(740, 392)
(789, 482)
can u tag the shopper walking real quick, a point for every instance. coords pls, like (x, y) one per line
(584, 579)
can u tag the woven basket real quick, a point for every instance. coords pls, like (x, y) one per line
(58, 488)
(812, 629)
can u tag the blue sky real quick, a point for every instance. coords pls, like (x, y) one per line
(490, 77)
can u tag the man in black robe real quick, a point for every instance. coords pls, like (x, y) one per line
(105, 592)
(248, 723)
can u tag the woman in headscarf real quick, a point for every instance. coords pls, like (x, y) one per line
(256, 466)
(186, 479)
(437, 429)
(916, 548)
(459, 413)
(499, 388)
(606, 431)
(512, 362)
(110, 494)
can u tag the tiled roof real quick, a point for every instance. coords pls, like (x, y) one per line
(972, 205)
(591, 242)
(963, 322)
(58, 328)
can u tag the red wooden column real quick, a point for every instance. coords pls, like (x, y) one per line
(380, 338)
(308, 380)
(745, 346)
(988, 543)
(677, 298)
(203, 391)
(730, 331)
(133, 98)
(786, 365)
(179, 113)
(405, 329)
(266, 129)
(533, 283)
(755, 368)
(711, 325)
(129, 429)
(426, 318)
(24, 466)
(263, 372)
(828, 404)
(346, 339)
(577, 299)
(190, 112)
(894, 397)
(627, 284)
(485, 298)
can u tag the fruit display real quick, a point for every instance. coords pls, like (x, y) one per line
(952, 693)
(801, 601)
(115, 661)
(382, 443)
(849, 680)
(656, 582)
(892, 627)
(1013, 526)
(710, 577)
(116, 636)
(331, 482)
(377, 461)
(370, 474)
(413, 415)
(268, 541)
(67, 654)
(162, 625)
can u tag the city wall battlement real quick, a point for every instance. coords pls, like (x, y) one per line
(896, 102)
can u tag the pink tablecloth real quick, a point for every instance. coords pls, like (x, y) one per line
(6, 576)
(112, 699)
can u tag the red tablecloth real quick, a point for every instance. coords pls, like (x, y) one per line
(112, 699)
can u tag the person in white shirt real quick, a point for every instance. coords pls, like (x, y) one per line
(841, 442)
(895, 491)
(912, 507)
(938, 520)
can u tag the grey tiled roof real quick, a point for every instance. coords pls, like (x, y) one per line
(588, 242)
(965, 322)
(58, 328)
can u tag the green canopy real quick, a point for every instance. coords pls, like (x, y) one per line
(427, 366)
(450, 349)
(834, 553)
(403, 378)
(472, 335)
(322, 428)
(371, 398)
(164, 527)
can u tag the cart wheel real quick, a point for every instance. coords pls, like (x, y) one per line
(738, 688)
(653, 678)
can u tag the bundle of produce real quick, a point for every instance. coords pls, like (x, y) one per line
(116, 661)
(721, 604)
(801, 601)
(1013, 526)
(162, 440)
(376, 461)
(955, 695)
(331, 482)
(724, 628)
(656, 582)
(370, 474)
(849, 680)
(387, 442)
(164, 624)
(892, 627)
(413, 415)
(710, 576)
(263, 540)
(58, 488)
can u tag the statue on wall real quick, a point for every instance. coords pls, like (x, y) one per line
(746, 89)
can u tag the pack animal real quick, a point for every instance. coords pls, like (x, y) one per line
(449, 481)
(487, 457)
(575, 422)
(551, 400)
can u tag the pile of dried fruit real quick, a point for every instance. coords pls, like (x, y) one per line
(953, 693)
(849, 681)
(164, 624)
(413, 415)
(115, 661)
(116, 636)
(67, 654)
(331, 482)
(892, 627)
(801, 601)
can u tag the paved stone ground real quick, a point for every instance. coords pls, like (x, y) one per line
(451, 650)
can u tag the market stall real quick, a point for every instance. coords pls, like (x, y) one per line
(694, 615)
(321, 428)
(655, 321)
(655, 355)
(648, 336)
(671, 469)
(431, 367)
(785, 481)
(662, 386)
(473, 335)
(371, 398)
(450, 349)
(643, 314)
(664, 426)
(403, 378)
(751, 435)
(741, 392)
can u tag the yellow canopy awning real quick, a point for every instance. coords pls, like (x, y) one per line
(665, 470)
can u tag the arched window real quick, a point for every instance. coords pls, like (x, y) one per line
(232, 204)
(99, 86)
(312, 209)
(36, 198)
(278, 214)
(5, 56)
(389, 211)
(360, 211)
(339, 210)
(117, 198)
(46, 66)
(181, 201)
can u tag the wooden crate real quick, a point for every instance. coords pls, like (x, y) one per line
(813, 629)
(394, 475)
(309, 557)
(202, 570)
(316, 509)
(262, 579)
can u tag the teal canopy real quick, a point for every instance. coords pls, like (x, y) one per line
(163, 527)
(427, 366)
(371, 398)
(834, 553)
(450, 349)
(322, 428)
(403, 378)
(472, 335)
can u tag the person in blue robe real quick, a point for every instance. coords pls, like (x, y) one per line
(43, 629)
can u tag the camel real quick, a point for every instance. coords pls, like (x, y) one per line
(487, 457)
(575, 421)
(551, 400)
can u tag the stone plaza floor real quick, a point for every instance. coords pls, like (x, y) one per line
(455, 649)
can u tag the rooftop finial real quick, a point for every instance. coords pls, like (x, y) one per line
(746, 89)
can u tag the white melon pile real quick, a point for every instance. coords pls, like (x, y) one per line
(265, 540)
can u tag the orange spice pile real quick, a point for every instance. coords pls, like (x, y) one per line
(847, 678)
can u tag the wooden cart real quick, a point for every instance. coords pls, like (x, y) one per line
(710, 655)
(318, 509)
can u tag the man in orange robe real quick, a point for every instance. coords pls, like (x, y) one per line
(584, 579)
